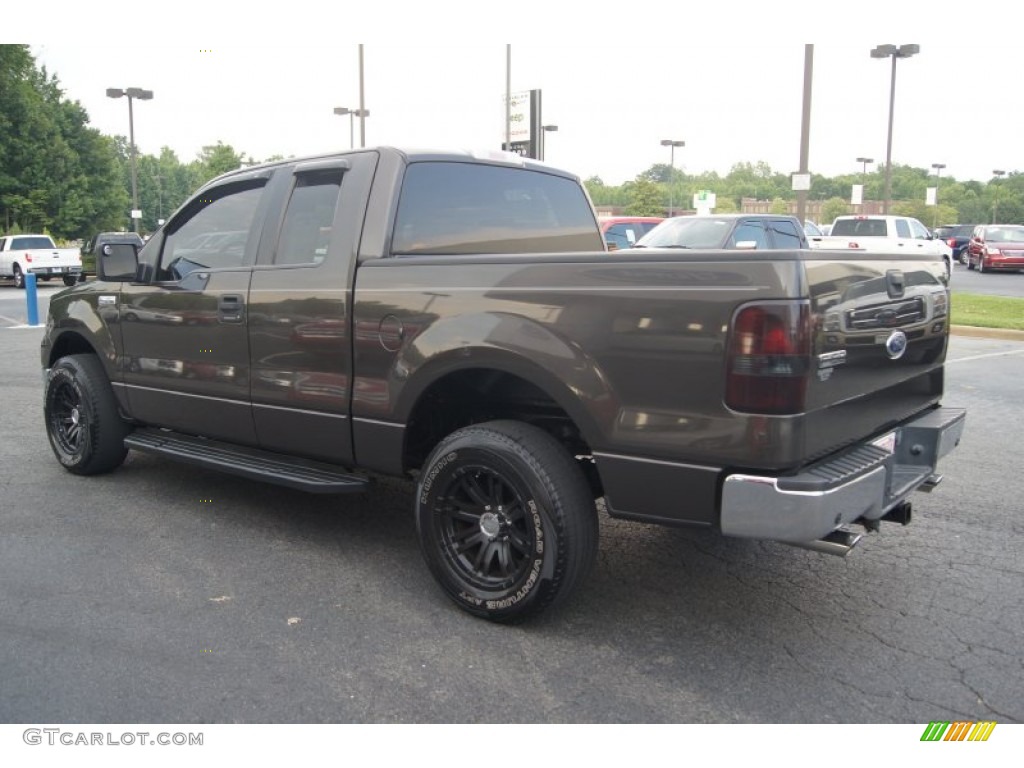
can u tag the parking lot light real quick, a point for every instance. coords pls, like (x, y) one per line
(883, 52)
(132, 93)
(671, 144)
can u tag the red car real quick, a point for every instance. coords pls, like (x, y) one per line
(996, 246)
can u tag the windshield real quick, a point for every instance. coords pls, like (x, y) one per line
(689, 232)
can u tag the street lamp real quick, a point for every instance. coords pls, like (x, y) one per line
(352, 114)
(893, 52)
(131, 93)
(864, 177)
(159, 199)
(671, 144)
(995, 200)
(938, 173)
(544, 130)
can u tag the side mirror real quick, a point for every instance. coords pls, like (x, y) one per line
(610, 245)
(117, 262)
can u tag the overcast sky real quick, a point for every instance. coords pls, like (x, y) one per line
(726, 79)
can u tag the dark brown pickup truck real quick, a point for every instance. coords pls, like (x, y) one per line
(455, 319)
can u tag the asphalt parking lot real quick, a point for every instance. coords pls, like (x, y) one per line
(162, 593)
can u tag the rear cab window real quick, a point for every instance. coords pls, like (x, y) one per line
(449, 208)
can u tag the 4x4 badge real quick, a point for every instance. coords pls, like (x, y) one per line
(896, 344)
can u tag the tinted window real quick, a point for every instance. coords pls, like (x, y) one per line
(307, 222)
(623, 235)
(749, 231)
(213, 231)
(785, 234)
(861, 228)
(28, 243)
(453, 208)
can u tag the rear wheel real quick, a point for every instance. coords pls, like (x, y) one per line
(981, 263)
(19, 278)
(506, 520)
(964, 259)
(82, 421)
(70, 280)
(970, 264)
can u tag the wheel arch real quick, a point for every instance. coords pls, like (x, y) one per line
(457, 390)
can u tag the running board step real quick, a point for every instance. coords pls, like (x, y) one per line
(256, 464)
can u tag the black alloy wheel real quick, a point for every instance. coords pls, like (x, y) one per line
(506, 520)
(485, 529)
(85, 429)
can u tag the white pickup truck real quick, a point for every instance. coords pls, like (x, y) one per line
(884, 234)
(21, 254)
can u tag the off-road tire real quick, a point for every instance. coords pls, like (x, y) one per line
(82, 421)
(506, 520)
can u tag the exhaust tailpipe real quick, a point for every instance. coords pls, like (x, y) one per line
(840, 542)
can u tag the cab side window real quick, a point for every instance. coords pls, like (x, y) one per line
(212, 233)
(306, 232)
(785, 234)
(747, 231)
(920, 233)
(902, 229)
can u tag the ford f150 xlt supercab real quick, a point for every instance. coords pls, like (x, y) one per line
(456, 319)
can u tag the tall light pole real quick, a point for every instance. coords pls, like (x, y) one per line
(131, 93)
(159, 199)
(938, 173)
(352, 114)
(671, 144)
(363, 111)
(995, 200)
(864, 177)
(893, 52)
(544, 131)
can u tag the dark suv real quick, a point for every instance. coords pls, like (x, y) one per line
(956, 236)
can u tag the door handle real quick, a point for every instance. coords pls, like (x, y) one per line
(231, 308)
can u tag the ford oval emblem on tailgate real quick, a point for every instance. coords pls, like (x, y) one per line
(896, 344)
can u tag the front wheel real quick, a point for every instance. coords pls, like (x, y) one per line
(981, 263)
(506, 520)
(82, 421)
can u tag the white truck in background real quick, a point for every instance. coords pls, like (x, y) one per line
(38, 254)
(884, 234)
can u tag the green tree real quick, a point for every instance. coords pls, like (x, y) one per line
(834, 206)
(645, 198)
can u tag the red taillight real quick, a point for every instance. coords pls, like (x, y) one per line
(951, 242)
(28, 256)
(769, 358)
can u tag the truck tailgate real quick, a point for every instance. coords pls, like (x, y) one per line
(879, 331)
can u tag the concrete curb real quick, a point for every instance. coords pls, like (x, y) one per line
(986, 333)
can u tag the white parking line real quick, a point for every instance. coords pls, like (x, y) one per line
(10, 319)
(987, 354)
